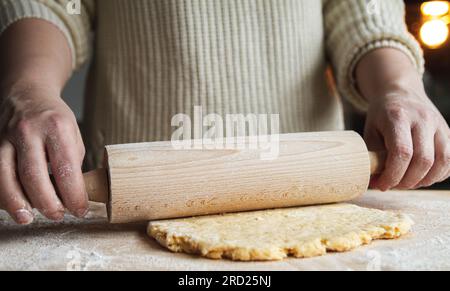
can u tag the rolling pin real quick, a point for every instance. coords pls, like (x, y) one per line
(151, 181)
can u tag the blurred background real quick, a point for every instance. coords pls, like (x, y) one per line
(428, 21)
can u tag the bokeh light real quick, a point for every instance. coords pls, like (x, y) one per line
(435, 8)
(434, 33)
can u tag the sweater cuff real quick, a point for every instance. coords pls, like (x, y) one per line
(347, 81)
(14, 10)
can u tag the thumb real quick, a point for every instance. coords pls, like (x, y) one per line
(375, 142)
(373, 138)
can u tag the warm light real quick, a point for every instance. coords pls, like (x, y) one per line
(435, 8)
(434, 33)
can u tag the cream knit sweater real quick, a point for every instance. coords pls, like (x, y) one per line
(156, 58)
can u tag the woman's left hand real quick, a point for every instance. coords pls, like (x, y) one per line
(416, 137)
(403, 121)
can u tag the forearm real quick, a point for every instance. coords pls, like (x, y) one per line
(386, 71)
(402, 120)
(33, 53)
(37, 128)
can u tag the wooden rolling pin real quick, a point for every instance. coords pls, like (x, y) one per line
(150, 181)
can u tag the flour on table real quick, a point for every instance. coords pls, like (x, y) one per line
(276, 234)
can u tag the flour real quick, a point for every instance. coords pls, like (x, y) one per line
(428, 247)
(97, 245)
(82, 260)
(60, 242)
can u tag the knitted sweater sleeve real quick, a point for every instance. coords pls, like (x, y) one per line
(355, 27)
(73, 18)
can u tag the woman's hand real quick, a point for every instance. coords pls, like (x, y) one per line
(37, 128)
(416, 137)
(402, 120)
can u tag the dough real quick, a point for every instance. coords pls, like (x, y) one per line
(275, 234)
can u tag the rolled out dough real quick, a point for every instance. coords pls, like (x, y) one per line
(276, 234)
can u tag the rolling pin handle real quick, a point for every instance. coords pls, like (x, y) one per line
(377, 162)
(97, 185)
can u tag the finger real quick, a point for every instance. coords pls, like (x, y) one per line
(445, 177)
(12, 198)
(398, 142)
(374, 142)
(65, 161)
(373, 139)
(34, 177)
(80, 145)
(423, 157)
(441, 164)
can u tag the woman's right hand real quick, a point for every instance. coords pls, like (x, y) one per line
(38, 129)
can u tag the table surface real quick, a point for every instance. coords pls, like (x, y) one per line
(93, 244)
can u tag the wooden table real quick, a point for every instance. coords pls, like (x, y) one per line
(92, 244)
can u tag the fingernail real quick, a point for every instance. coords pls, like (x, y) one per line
(24, 217)
(57, 216)
(82, 212)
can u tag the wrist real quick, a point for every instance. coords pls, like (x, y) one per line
(409, 85)
(27, 84)
(387, 72)
(33, 54)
